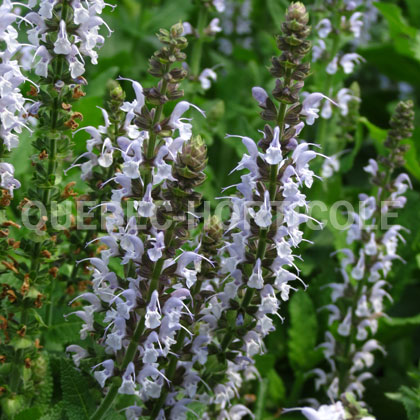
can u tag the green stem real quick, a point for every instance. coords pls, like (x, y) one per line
(323, 127)
(262, 394)
(106, 403)
(296, 389)
(15, 376)
(197, 51)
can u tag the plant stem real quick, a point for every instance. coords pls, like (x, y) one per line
(106, 403)
(197, 51)
(323, 126)
(15, 375)
(296, 389)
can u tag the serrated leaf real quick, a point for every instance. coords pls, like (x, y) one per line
(54, 413)
(43, 381)
(302, 332)
(410, 399)
(76, 396)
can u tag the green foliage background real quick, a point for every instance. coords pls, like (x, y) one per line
(392, 58)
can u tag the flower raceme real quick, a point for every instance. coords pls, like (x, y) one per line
(359, 300)
(330, 55)
(77, 33)
(60, 33)
(148, 308)
(12, 114)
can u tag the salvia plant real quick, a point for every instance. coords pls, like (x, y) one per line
(131, 287)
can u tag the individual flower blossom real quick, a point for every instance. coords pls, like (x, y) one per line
(219, 5)
(62, 45)
(263, 217)
(318, 49)
(356, 23)
(187, 29)
(349, 61)
(344, 96)
(311, 106)
(102, 375)
(205, 78)
(324, 412)
(214, 27)
(332, 66)
(7, 179)
(79, 353)
(330, 166)
(324, 28)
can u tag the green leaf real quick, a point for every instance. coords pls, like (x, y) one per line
(403, 35)
(402, 322)
(198, 408)
(114, 416)
(21, 342)
(410, 399)
(377, 134)
(33, 413)
(76, 396)
(302, 333)
(411, 159)
(396, 66)
(276, 389)
(265, 363)
(60, 334)
(55, 413)
(391, 329)
(414, 11)
(38, 317)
